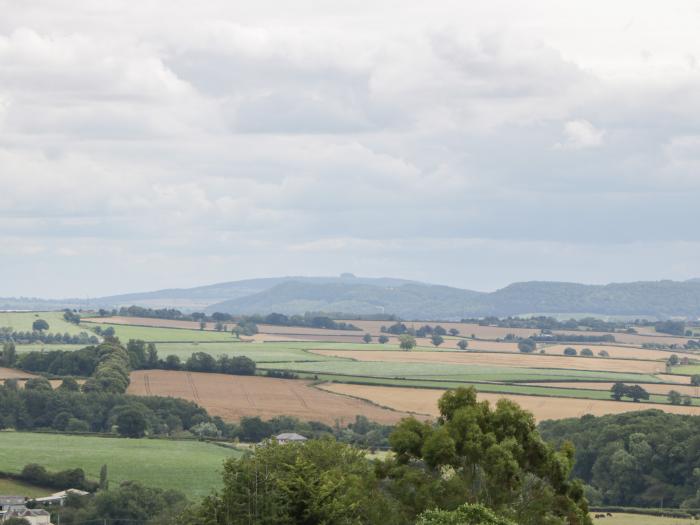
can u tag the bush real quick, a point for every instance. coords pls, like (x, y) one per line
(527, 346)
(570, 351)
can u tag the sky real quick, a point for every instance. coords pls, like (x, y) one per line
(170, 143)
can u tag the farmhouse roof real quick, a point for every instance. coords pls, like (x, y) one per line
(290, 436)
(11, 500)
(61, 495)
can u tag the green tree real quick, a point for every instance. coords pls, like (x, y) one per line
(673, 360)
(454, 332)
(367, 338)
(603, 353)
(437, 340)
(527, 346)
(151, 356)
(570, 351)
(617, 391)
(38, 383)
(131, 422)
(636, 392)
(317, 482)
(462, 344)
(687, 400)
(494, 456)
(383, 339)
(9, 354)
(467, 514)
(104, 481)
(407, 342)
(695, 380)
(69, 385)
(587, 352)
(40, 325)
(674, 397)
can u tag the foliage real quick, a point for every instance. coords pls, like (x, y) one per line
(634, 392)
(483, 455)
(635, 458)
(467, 514)
(437, 340)
(9, 354)
(81, 362)
(112, 370)
(527, 345)
(462, 344)
(40, 325)
(317, 482)
(65, 479)
(407, 342)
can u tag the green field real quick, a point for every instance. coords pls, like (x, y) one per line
(454, 372)
(687, 370)
(189, 466)
(47, 348)
(22, 322)
(10, 487)
(258, 352)
(155, 334)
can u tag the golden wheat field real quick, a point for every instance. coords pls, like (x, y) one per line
(424, 401)
(234, 397)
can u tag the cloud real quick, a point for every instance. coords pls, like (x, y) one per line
(581, 134)
(465, 143)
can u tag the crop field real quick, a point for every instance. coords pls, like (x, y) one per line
(22, 322)
(151, 322)
(39, 347)
(152, 334)
(465, 329)
(652, 388)
(515, 360)
(233, 397)
(424, 401)
(11, 373)
(621, 352)
(686, 369)
(640, 519)
(190, 466)
(260, 353)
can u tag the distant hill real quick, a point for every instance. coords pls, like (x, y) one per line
(408, 299)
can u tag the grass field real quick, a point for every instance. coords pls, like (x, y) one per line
(258, 352)
(190, 466)
(232, 397)
(455, 372)
(151, 334)
(37, 347)
(10, 487)
(22, 322)
(686, 370)
(641, 519)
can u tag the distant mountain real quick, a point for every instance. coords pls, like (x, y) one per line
(407, 299)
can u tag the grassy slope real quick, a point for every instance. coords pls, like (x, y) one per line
(22, 321)
(125, 332)
(10, 487)
(190, 466)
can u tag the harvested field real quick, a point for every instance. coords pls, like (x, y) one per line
(233, 397)
(11, 373)
(671, 378)
(465, 329)
(424, 401)
(516, 360)
(652, 388)
(623, 352)
(149, 321)
(635, 339)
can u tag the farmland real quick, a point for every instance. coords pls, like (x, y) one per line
(232, 397)
(22, 322)
(11, 486)
(190, 466)
(618, 518)
(151, 334)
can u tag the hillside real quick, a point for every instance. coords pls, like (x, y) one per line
(407, 299)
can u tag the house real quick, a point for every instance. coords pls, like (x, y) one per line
(10, 501)
(59, 498)
(33, 516)
(290, 437)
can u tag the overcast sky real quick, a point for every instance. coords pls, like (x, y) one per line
(171, 143)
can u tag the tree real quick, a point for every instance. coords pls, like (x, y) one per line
(407, 342)
(673, 360)
(131, 423)
(493, 455)
(151, 356)
(636, 392)
(9, 354)
(454, 332)
(695, 380)
(687, 400)
(38, 383)
(40, 325)
(617, 391)
(317, 482)
(104, 482)
(383, 339)
(172, 362)
(674, 397)
(137, 353)
(603, 353)
(462, 344)
(202, 325)
(467, 514)
(527, 345)
(587, 352)
(570, 351)
(437, 340)
(367, 338)
(69, 385)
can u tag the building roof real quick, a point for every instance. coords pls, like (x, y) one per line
(290, 436)
(12, 500)
(61, 495)
(21, 511)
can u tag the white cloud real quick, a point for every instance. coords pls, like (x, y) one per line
(581, 134)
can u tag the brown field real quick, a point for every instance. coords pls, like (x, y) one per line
(518, 360)
(635, 339)
(11, 373)
(424, 401)
(670, 378)
(233, 397)
(652, 388)
(623, 352)
(465, 329)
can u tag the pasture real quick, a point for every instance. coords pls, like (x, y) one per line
(152, 334)
(424, 401)
(233, 397)
(189, 466)
(18, 488)
(22, 322)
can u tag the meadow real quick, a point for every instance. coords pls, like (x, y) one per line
(22, 322)
(157, 334)
(189, 466)
(11, 486)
